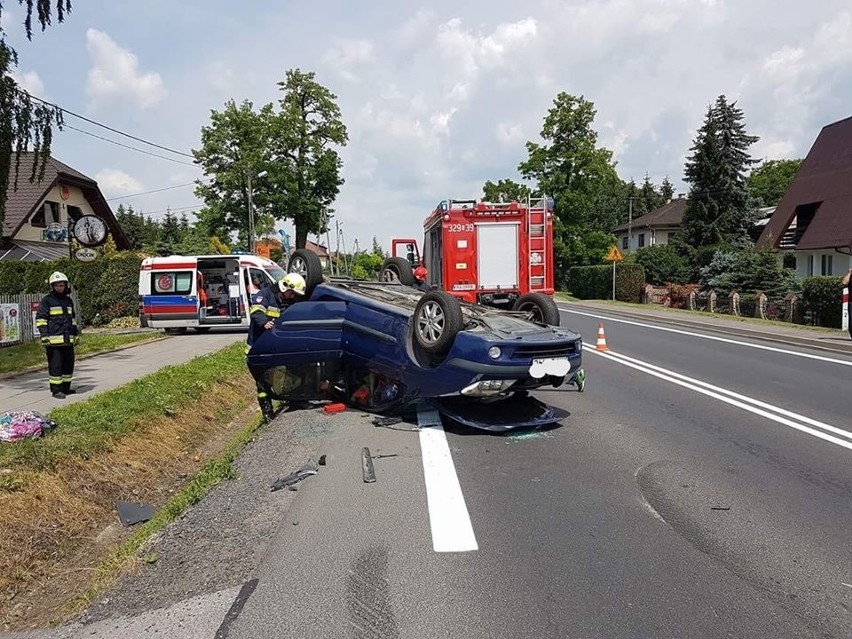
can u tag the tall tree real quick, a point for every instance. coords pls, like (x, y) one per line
(652, 198)
(769, 182)
(666, 190)
(719, 210)
(573, 168)
(306, 164)
(505, 190)
(26, 124)
(132, 224)
(235, 149)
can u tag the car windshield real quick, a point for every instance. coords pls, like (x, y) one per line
(276, 272)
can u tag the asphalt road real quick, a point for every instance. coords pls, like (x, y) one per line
(699, 488)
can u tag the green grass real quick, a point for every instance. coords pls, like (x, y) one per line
(92, 426)
(21, 357)
(215, 471)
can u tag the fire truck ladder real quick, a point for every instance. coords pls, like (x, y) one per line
(538, 248)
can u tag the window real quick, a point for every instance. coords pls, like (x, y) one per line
(641, 240)
(624, 242)
(48, 213)
(171, 282)
(810, 265)
(827, 263)
(74, 212)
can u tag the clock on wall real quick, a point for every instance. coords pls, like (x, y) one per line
(90, 230)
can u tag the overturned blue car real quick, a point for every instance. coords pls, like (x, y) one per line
(382, 346)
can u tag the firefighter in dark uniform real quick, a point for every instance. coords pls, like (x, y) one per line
(420, 274)
(57, 325)
(266, 307)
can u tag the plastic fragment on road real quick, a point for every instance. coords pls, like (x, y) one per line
(367, 466)
(386, 421)
(23, 424)
(131, 514)
(321, 461)
(334, 408)
(289, 481)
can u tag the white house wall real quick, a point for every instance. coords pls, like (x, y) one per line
(840, 264)
(75, 198)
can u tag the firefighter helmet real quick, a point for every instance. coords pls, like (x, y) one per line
(57, 277)
(420, 273)
(292, 282)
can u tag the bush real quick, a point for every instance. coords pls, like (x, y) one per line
(821, 296)
(662, 264)
(748, 271)
(107, 283)
(595, 282)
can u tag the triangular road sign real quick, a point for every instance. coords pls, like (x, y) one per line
(614, 254)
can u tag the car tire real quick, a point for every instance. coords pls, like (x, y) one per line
(307, 264)
(540, 308)
(176, 331)
(397, 269)
(201, 329)
(437, 320)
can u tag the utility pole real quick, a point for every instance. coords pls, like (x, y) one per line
(250, 213)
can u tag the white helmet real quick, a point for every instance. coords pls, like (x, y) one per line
(57, 277)
(292, 282)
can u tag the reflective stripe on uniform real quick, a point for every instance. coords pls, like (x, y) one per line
(247, 349)
(256, 308)
(55, 380)
(56, 310)
(67, 378)
(262, 395)
(272, 312)
(56, 339)
(41, 322)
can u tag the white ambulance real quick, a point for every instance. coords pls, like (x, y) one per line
(201, 291)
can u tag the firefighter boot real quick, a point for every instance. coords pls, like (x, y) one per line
(266, 408)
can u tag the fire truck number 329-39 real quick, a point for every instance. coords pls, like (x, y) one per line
(460, 228)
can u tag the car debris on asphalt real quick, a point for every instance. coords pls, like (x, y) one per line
(289, 481)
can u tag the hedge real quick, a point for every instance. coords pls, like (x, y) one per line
(108, 287)
(822, 297)
(595, 282)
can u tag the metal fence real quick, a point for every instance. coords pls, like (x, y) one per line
(17, 318)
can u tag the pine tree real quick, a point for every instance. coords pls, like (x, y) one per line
(652, 199)
(666, 190)
(719, 209)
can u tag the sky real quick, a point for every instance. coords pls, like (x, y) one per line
(437, 97)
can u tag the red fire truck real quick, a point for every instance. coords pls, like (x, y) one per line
(496, 254)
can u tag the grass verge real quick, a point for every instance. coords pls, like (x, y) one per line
(216, 470)
(24, 357)
(142, 442)
(712, 317)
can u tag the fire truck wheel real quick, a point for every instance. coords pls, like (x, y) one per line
(540, 308)
(397, 269)
(307, 264)
(437, 320)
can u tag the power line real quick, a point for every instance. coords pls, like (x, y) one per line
(165, 188)
(127, 146)
(104, 126)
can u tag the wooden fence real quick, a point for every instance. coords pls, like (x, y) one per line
(17, 318)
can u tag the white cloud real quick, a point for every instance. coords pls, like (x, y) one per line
(510, 134)
(348, 57)
(30, 82)
(221, 78)
(415, 30)
(114, 182)
(115, 75)
(7, 20)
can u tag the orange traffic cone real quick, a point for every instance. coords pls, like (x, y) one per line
(601, 345)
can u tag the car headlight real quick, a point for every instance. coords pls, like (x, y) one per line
(579, 345)
(488, 387)
(494, 352)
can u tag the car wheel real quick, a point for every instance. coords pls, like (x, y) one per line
(307, 264)
(176, 331)
(397, 269)
(202, 329)
(539, 308)
(437, 321)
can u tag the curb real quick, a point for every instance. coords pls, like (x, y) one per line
(769, 336)
(36, 369)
